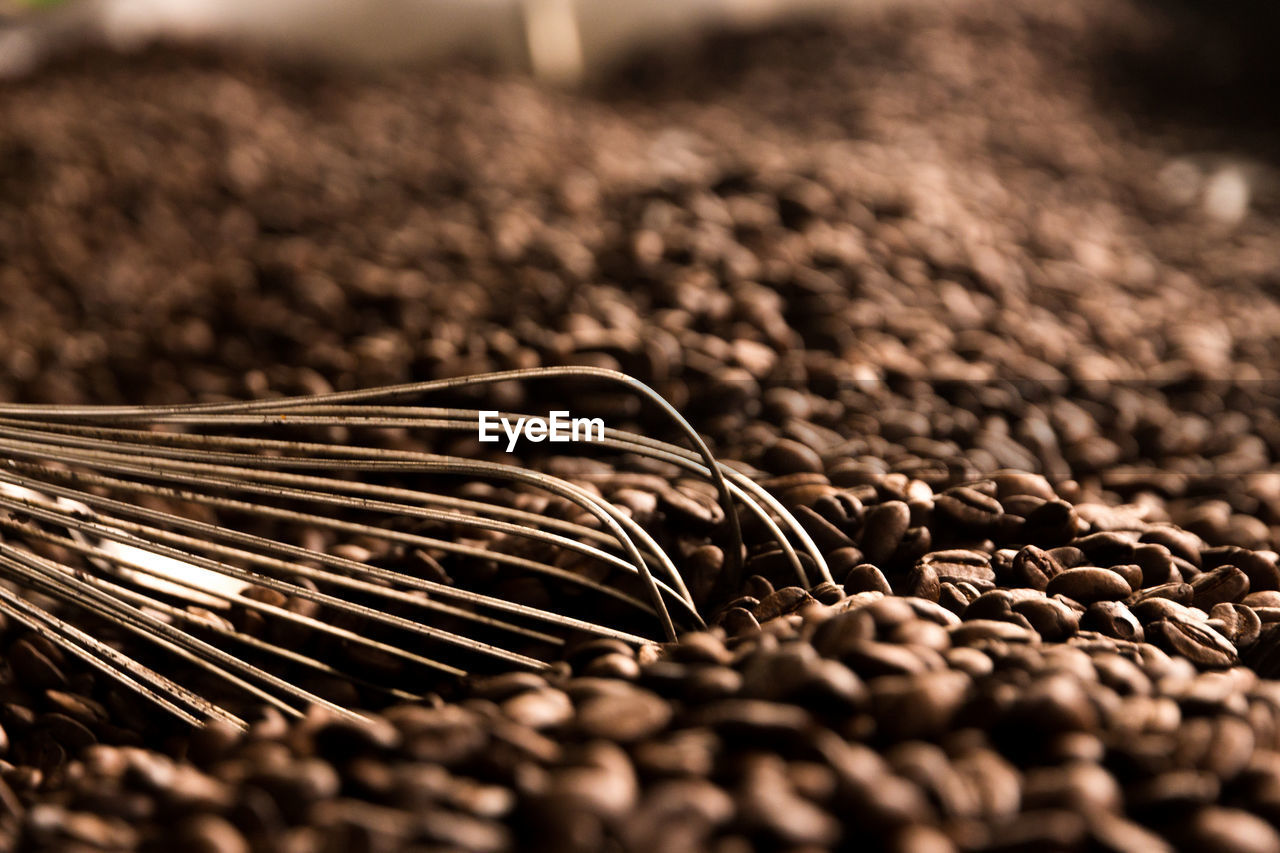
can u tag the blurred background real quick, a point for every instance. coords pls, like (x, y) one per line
(927, 240)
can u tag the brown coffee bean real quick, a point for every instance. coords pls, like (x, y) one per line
(781, 602)
(1262, 598)
(1089, 584)
(33, 667)
(917, 706)
(866, 578)
(922, 582)
(1051, 524)
(1181, 543)
(1214, 829)
(827, 536)
(1068, 556)
(1033, 567)
(1223, 584)
(1131, 573)
(883, 529)
(968, 507)
(1010, 482)
(1112, 619)
(960, 565)
(1179, 592)
(539, 709)
(1155, 609)
(785, 456)
(1240, 624)
(1050, 618)
(1259, 566)
(1199, 644)
(624, 717)
(1156, 563)
(982, 630)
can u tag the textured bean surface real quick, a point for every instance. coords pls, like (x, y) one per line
(985, 295)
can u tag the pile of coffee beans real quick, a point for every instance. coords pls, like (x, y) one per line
(1000, 332)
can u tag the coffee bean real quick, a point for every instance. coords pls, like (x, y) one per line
(1260, 566)
(785, 456)
(1087, 585)
(782, 601)
(827, 536)
(1034, 568)
(1050, 618)
(980, 630)
(919, 706)
(960, 565)
(866, 578)
(1214, 828)
(1240, 624)
(625, 717)
(1051, 524)
(1179, 592)
(1199, 644)
(33, 667)
(922, 582)
(1112, 619)
(968, 507)
(883, 530)
(1223, 584)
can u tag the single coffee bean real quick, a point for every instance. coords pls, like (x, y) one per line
(1051, 524)
(1089, 584)
(1181, 543)
(1107, 548)
(1260, 566)
(1154, 609)
(968, 507)
(922, 582)
(827, 536)
(1199, 644)
(866, 578)
(785, 456)
(1050, 618)
(1033, 567)
(883, 530)
(1068, 556)
(960, 565)
(1179, 592)
(1223, 584)
(1262, 598)
(1240, 624)
(1156, 563)
(1112, 619)
(1131, 573)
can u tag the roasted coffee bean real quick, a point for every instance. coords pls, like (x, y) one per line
(1051, 524)
(1034, 568)
(1223, 584)
(1112, 619)
(1261, 567)
(1199, 644)
(883, 529)
(968, 507)
(866, 578)
(1239, 623)
(1051, 619)
(1179, 592)
(960, 565)
(1087, 585)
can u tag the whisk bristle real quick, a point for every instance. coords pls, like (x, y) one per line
(210, 533)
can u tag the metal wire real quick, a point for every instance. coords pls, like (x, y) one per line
(94, 513)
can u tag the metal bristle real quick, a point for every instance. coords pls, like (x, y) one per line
(163, 524)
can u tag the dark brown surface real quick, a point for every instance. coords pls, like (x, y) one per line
(877, 262)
